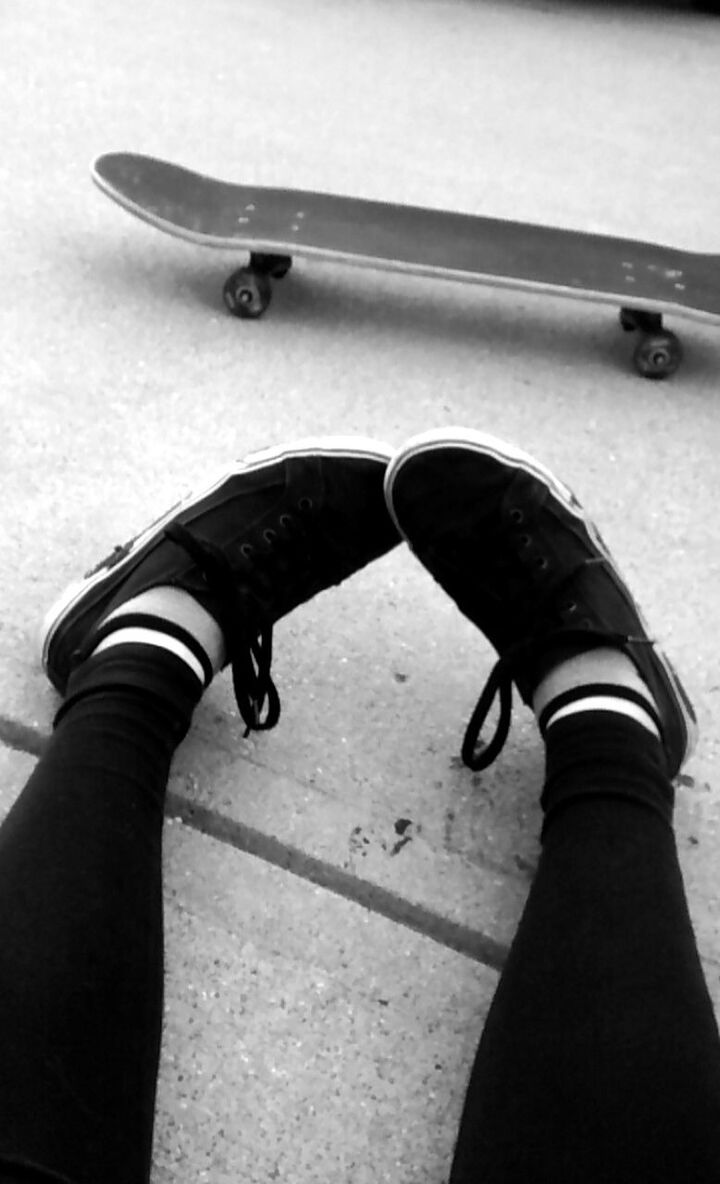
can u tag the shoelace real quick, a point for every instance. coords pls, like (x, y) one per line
(500, 681)
(250, 654)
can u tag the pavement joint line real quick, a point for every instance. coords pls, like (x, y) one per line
(462, 939)
(22, 737)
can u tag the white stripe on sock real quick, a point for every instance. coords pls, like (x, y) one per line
(134, 635)
(606, 703)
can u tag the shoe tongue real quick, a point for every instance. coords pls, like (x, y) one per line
(260, 514)
(258, 502)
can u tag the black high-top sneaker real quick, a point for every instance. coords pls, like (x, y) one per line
(264, 537)
(514, 549)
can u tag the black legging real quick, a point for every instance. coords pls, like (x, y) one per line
(81, 955)
(599, 1060)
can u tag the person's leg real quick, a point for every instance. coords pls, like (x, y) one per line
(600, 1058)
(81, 956)
(131, 647)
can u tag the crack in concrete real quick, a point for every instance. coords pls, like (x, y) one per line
(454, 936)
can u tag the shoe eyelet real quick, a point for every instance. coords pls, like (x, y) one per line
(270, 535)
(542, 563)
(246, 550)
(517, 516)
(525, 540)
(285, 521)
(571, 609)
(305, 504)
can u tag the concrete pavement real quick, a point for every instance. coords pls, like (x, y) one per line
(327, 982)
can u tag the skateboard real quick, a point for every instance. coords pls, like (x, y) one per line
(644, 280)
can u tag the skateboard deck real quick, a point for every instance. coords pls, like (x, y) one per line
(644, 280)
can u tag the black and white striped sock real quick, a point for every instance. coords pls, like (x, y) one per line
(604, 741)
(147, 629)
(603, 697)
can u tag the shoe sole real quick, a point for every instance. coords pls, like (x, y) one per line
(350, 447)
(509, 454)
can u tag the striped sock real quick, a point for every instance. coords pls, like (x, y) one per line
(605, 697)
(146, 629)
(604, 741)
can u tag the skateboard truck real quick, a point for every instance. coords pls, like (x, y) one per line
(658, 353)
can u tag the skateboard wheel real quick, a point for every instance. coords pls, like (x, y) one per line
(247, 293)
(658, 355)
